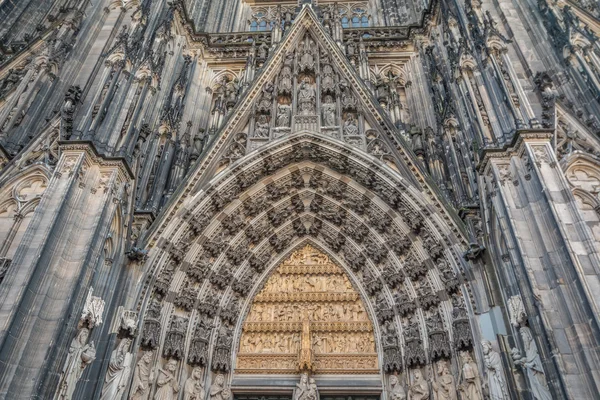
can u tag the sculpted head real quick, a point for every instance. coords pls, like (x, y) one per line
(197, 373)
(304, 378)
(83, 336)
(172, 365)
(393, 380)
(418, 375)
(486, 345)
(220, 380)
(147, 357)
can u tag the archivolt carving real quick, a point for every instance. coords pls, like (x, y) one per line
(340, 205)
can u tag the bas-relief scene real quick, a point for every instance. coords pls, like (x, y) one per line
(299, 200)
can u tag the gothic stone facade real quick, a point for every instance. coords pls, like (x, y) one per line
(212, 199)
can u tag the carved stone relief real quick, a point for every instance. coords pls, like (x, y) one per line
(310, 294)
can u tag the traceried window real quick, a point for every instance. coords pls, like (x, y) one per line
(353, 15)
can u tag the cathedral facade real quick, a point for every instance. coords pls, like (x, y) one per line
(299, 199)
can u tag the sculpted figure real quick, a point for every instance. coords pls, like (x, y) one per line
(532, 365)
(193, 388)
(396, 390)
(262, 127)
(283, 116)
(470, 386)
(218, 391)
(306, 98)
(117, 375)
(495, 374)
(142, 377)
(419, 389)
(167, 386)
(302, 391)
(328, 108)
(444, 387)
(350, 127)
(81, 354)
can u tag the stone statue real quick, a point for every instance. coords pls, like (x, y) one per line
(470, 386)
(532, 365)
(81, 354)
(396, 390)
(307, 57)
(419, 389)
(495, 374)
(283, 116)
(350, 126)
(166, 383)
(444, 387)
(193, 388)
(306, 98)
(118, 372)
(218, 390)
(328, 108)
(306, 389)
(143, 375)
(262, 127)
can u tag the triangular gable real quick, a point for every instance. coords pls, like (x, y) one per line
(231, 136)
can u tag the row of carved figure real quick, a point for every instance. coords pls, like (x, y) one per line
(316, 312)
(289, 343)
(161, 383)
(470, 384)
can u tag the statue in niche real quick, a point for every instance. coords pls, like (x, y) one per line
(327, 81)
(193, 388)
(266, 98)
(444, 387)
(495, 374)
(419, 389)
(143, 375)
(350, 126)
(117, 375)
(470, 386)
(307, 55)
(306, 98)
(283, 116)
(232, 89)
(166, 383)
(532, 364)
(218, 390)
(328, 108)
(262, 127)
(396, 390)
(285, 77)
(81, 354)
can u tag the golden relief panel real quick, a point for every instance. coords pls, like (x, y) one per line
(307, 317)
